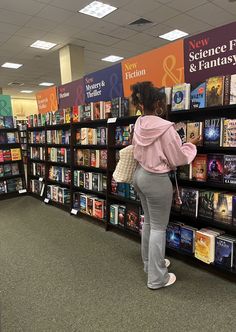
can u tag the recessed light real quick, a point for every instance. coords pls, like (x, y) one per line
(112, 58)
(97, 9)
(46, 84)
(26, 91)
(11, 65)
(173, 35)
(43, 45)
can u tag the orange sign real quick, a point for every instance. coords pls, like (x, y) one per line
(47, 100)
(163, 66)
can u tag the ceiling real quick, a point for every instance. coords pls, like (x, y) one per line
(24, 21)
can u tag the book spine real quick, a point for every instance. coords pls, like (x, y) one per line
(227, 90)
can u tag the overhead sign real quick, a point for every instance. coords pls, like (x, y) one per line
(5, 105)
(71, 94)
(47, 100)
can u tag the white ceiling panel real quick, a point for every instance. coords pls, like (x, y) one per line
(9, 16)
(97, 38)
(41, 23)
(30, 33)
(226, 5)
(140, 7)
(161, 14)
(8, 28)
(121, 17)
(122, 33)
(103, 27)
(185, 5)
(212, 14)
(158, 30)
(29, 7)
(81, 22)
(72, 5)
(55, 14)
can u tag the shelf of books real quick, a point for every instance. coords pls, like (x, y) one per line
(12, 178)
(22, 126)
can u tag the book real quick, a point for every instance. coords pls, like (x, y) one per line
(198, 95)
(84, 136)
(15, 154)
(86, 113)
(114, 214)
(234, 211)
(173, 235)
(184, 172)
(224, 251)
(79, 157)
(2, 125)
(132, 217)
(181, 128)
(107, 109)
(223, 206)
(215, 168)
(7, 170)
(187, 239)
(75, 114)
(199, 168)
(229, 133)
(206, 204)
(8, 122)
(1, 156)
(194, 130)
(3, 187)
(189, 199)
(230, 169)
(204, 247)
(230, 89)
(180, 97)
(212, 132)
(103, 159)
(99, 208)
(214, 91)
(121, 215)
(7, 155)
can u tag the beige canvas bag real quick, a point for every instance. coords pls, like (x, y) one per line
(126, 166)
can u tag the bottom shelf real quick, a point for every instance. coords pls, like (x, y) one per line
(11, 195)
(35, 195)
(59, 205)
(81, 214)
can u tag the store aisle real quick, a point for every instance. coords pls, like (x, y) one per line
(60, 274)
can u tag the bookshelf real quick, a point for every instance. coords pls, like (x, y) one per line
(22, 126)
(12, 174)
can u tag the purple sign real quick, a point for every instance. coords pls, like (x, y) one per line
(71, 94)
(212, 53)
(104, 84)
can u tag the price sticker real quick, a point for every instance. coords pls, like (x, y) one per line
(46, 200)
(41, 179)
(111, 120)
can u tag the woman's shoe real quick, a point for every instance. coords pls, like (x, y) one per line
(172, 280)
(167, 262)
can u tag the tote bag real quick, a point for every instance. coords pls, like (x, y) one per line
(126, 166)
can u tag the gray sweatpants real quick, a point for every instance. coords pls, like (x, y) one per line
(155, 191)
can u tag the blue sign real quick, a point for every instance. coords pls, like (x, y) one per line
(104, 84)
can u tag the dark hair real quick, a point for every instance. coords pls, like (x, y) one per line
(150, 97)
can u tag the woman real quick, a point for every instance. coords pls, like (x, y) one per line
(158, 150)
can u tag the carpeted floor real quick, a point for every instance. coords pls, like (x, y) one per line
(62, 274)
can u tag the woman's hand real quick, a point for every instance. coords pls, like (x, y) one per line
(195, 140)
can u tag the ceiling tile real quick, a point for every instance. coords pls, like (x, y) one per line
(161, 14)
(187, 23)
(9, 16)
(73, 5)
(81, 22)
(97, 38)
(55, 14)
(184, 5)
(140, 7)
(121, 17)
(41, 23)
(8, 28)
(30, 33)
(158, 29)
(122, 33)
(211, 14)
(101, 26)
(226, 5)
(28, 7)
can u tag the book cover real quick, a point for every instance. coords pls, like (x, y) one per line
(99, 205)
(75, 114)
(230, 169)
(198, 95)
(90, 204)
(7, 170)
(215, 168)
(67, 115)
(2, 125)
(181, 128)
(234, 211)
(180, 97)
(214, 91)
(3, 187)
(184, 172)
(79, 157)
(8, 122)
(15, 154)
(91, 134)
(230, 90)
(1, 156)
(76, 201)
(194, 130)
(7, 155)
(206, 204)
(96, 186)
(176, 207)
(97, 111)
(83, 203)
(84, 136)
(212, 132)
(204, 247)
(103, 159)
(121, 215)
(107, 109)
(3, 138)
(86, 113)
(86, 154)
(124, 107)
(1, 171)
(132, 218)
(115, 107)
(229, 133)
(173, 235)
(199, 168)
(223, 205)
(187, 239)
(114, 214)
(11, 138)
(189, 199)
(224, 250)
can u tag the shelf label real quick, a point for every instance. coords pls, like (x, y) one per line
(74, 212)
(22, 191)
(111, 120)
(40, 179)
(46, 200)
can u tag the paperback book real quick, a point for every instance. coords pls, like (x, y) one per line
(194, 130)
(181, 128)
(206, 204)
(215, 168)
(229, 133)
(189, 199)
(187, 239)
(173, 235)
(199, 168)
(198, 95)
(215, 91)
(224, 251)
(180, 97)
(230, 169)
(212, 132)
(223, 206)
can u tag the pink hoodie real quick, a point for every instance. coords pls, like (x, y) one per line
(158, 147)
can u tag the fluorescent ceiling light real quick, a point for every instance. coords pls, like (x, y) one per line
(46, 84)
(112, 58)
(26, 91)
(97, 9)
(11, 65)
(43, 45)
(173, 35)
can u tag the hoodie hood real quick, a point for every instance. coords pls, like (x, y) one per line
(149, 128)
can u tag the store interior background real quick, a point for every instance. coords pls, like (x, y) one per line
(23, 22)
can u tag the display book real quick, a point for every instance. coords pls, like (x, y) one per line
(208, 184)
(12, 179)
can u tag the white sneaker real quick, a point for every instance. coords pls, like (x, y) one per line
(167, 262)
(172, 280)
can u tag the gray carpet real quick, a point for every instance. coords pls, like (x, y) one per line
(59, 273)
